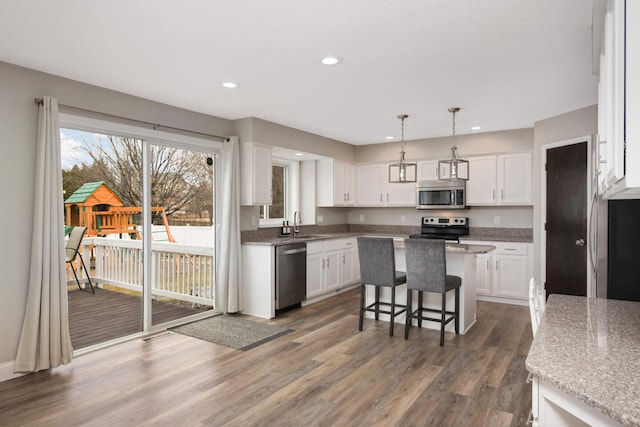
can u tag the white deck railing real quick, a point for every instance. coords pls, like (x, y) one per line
(179, 271)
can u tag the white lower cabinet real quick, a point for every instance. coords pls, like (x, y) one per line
(503, 274)
(331, 265)
(552, 407)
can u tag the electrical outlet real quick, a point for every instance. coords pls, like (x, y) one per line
(403, 219)
(320, 219)
(496, 219)
(361, 218)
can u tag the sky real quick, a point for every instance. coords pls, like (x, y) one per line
(71, 145)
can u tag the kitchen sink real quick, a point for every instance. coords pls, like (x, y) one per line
(311, 236)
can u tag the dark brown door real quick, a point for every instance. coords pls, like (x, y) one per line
(567, 220)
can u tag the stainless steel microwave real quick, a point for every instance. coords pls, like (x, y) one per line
(441, 195)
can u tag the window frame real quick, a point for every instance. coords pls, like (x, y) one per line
(291, 189)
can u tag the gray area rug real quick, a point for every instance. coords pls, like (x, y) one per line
(231, 331)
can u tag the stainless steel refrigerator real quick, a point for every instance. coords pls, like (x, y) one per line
(616, 261)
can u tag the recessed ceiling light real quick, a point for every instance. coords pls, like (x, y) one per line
(389, 137)
(299, 154)
(229, 85)
(476, 128)
(330, 60)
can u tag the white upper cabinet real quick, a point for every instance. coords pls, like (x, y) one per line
(514, 179)
(255, 167)
(335, 183)
(370, 184)
(481, 186)
(374, 188)
(428, 170)
(619, 101)
(500, 180)
(611, 97)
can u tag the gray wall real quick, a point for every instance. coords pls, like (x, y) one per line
(18, 123)
(468, 145)
(575, 124)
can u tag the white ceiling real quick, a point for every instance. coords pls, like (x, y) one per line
(506, 63)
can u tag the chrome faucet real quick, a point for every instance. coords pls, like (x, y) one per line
(295, 223)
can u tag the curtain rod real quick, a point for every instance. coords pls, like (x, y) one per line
(154, 126)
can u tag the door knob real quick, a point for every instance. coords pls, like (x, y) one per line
(580, 242)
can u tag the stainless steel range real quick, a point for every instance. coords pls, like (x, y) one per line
(450, 229)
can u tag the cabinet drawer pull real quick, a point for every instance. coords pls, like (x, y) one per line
(510, 249)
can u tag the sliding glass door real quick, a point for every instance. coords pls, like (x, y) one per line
(182, 231)
(148, 205)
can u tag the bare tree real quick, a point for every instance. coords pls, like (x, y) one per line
(176, 174)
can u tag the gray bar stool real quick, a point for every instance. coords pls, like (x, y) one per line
(427, 272)
(378, 268)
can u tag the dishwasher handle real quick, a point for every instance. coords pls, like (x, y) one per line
(293, 251)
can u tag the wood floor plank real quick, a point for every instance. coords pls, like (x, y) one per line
(325, 372)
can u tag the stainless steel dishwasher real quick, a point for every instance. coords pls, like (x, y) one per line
(291, 275)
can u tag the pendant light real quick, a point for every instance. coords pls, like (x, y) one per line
(454, 168)
(402, 171)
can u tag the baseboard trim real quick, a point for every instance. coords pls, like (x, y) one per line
(503, 300)
(6, 371)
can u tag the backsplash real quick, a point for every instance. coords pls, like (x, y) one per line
(525, 234)
(480, 233)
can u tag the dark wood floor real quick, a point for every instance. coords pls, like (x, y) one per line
(107, 315)
(325, 373)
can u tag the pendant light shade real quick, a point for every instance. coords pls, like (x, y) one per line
(455, 167)
(403, 171)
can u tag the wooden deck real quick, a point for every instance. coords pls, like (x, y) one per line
(107, 315)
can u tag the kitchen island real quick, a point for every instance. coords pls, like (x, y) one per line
(585, 362)
(258, 291)
(461, 261)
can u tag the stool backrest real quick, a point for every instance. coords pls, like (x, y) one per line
(426, 264)
(377, 261)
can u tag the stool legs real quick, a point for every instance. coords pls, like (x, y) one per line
(394, 309)
(408, 315)
(362, 291)
(420, 308)
(457, 310)
(392, 315)
(443, 313)
(420, 313)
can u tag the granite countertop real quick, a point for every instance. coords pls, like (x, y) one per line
(590, 349)
(495, 238)
(398, 242)
(304, 238)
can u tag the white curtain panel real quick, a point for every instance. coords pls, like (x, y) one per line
(45, 342)
(229, 269)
